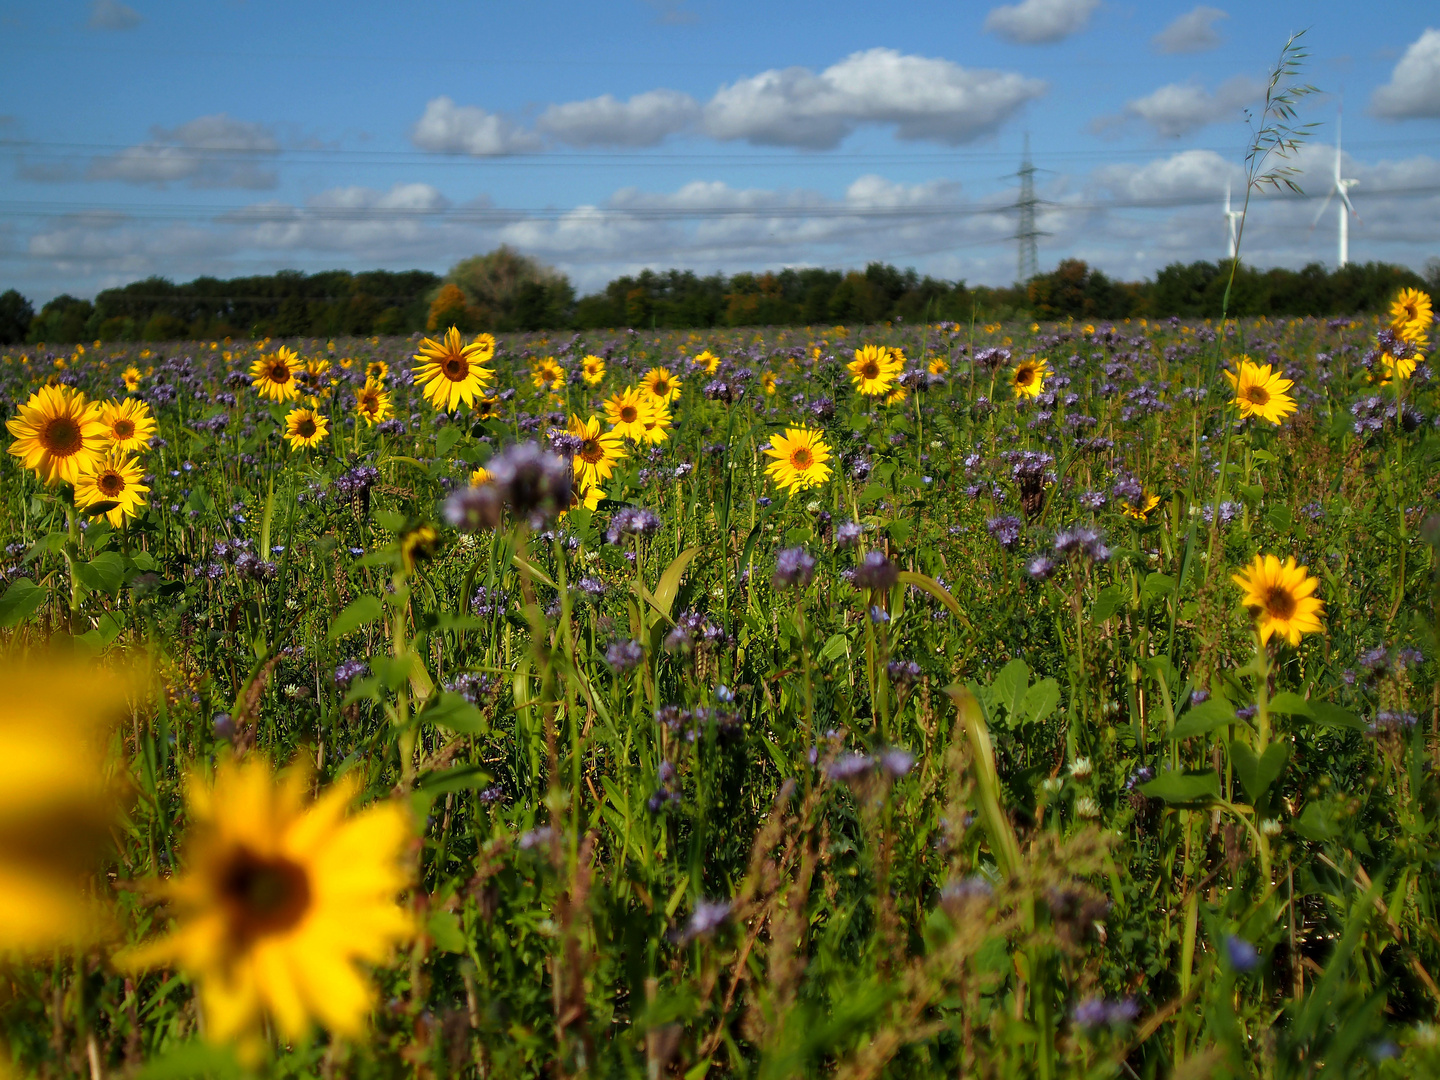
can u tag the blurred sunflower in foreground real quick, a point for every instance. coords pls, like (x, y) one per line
(58, 798)
(281, 899)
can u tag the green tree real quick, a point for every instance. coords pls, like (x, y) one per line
(16, 315)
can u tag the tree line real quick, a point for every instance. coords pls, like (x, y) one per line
(507, 291)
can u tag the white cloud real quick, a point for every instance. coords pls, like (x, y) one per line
(113, 15)
(208, 152)
(447, 128)
(1189, 176)
(924, 98)
(645, 120)
(1192, 32)
(1040, 22)
(1180, 108)
(1414, 86)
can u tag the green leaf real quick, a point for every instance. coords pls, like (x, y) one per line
(834, 648)
(454, 712)
(1111, 599)
(669, 584)
(1184, 788)
(193, 1059)
(20, 601)
(1280, 518)
(933, 587)
(460, 778)
(106, 630)
(1157, 586)
(900, 530)
(103, 574)
(1319, 821)
(1290, 704)
(443, 926)
(359, 612)
(873, 490)
(1322, 712)
(1008, 688)
(1040, 701)
(1256, 774)
(1204, 718)
(446, 440)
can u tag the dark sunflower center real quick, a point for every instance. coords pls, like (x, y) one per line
(110, 483)
(591, 451)
(263, 894)
(1025, 376)
(124, 429)
(801, 458)
(1257, 395)
(629, 414)
(305, 428)
(871, 370)
(661, 387)
(456, 368)
(1279, 602)
(61, 437)
(280, 373)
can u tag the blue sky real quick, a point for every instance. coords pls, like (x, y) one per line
(149, 137)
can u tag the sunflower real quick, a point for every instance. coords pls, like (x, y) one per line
(595, 460)
(1281, 598)
(706, 360)
(480, 475)
(1411, 315)
(317, 368)
(938, 365)
(587, 497)
(592, 369)
(1259, 392)
(1140, 509)
(657, 423)
(113, 488)
(1028, 378)
(131, 378)
(768, 382)
(57, 433)
(874, 370)
(305, 429)
(800, 455)
(372, 401)
(274, 374)
(661, 385)
(451, 372)
(486, 345)
(1393, 368)
(895, 396)
(421, 542)
(128, 424)
(377, 371)
(548, 375)
(281, 900)
(628, 412)
(59, 804)
(487, 406)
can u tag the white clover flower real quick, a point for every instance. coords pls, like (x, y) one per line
(1080, 769)
(1087, 808)
(1270, 827)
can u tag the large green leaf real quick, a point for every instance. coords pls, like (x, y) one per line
(359, 612)
(1257, 773)
(103, 574)
(1184, 788)
(20, 601)
(1008, 688)
(454, 712)
(1204, 718)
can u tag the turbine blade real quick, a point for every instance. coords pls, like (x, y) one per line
(1321, 212)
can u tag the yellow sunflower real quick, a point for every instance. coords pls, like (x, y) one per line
(657, 423)
(421, 542)
(548, 375)
(768, 382)
(800, 456)
(895, 396)
(372, 401)
(305, 429)
(487, 406)
(661, 385)
(57, 801)
(113, 488)
(707, 361)
(486, 344)
(874, 370)
(281, 901)
(938, 365)
(1391, 368)
(629, 412)
(1260, 392)
(57, 433)
(1140, 510)
(128, 424)
(592, 369)
(377, 371)
(1028, 378)
(1281, 598)
(131, 378)
(588, 497)
(274, 375)
(595, 460)
(451, 372)
(480, 475)
(1411, 316)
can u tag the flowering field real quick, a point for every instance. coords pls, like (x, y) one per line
(904, 701)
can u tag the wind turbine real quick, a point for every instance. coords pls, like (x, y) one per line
(1232, 222)
(1341, 188)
